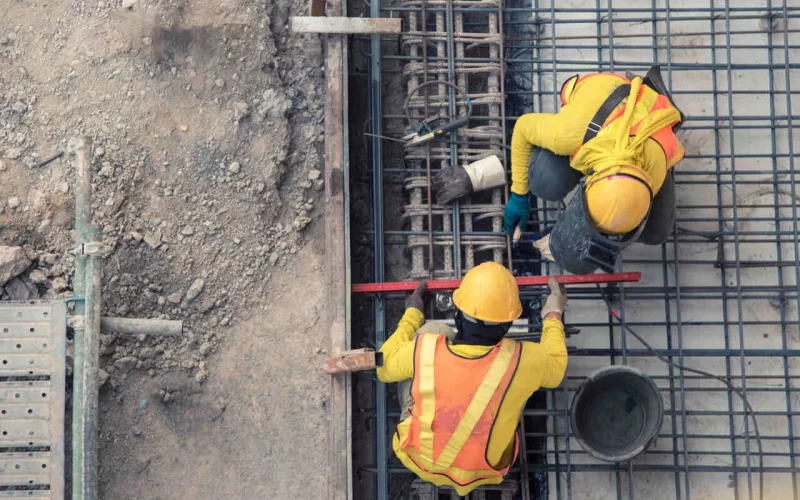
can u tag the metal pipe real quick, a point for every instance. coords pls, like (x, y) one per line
(139, 326)
(80, 149)
(86, 452)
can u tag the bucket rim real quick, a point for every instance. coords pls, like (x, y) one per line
(601, 373)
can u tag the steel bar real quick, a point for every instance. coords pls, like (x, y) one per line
(453, 160)
(794, 208)
(525, 281)
(141, 326)
(378, 269)
(722, 470)
(429, 191)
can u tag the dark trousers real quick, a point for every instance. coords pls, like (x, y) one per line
(551, 178)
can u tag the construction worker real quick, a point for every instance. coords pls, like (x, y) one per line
(462, 391)
(615, 136)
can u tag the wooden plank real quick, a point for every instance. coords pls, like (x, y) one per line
(356, 360)
(337, 257)
(317, 7)
(345, 25)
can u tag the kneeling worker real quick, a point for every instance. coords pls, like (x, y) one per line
(616, 137)
(462, 391)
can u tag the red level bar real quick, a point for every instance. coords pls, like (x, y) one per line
(525, 281)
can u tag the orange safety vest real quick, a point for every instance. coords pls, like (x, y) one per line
(647, 101)
(456, 401)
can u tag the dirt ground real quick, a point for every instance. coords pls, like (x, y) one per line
(206, 119)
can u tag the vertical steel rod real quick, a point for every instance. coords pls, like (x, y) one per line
(376, 111)
(739, 312)
(779, 251)
(450, 25)
(793, 196)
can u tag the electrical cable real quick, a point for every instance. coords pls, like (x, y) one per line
(739, 392)
(436, 82)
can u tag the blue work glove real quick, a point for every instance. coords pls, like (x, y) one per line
(518, 211)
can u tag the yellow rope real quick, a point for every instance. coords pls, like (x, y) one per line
(618, 148)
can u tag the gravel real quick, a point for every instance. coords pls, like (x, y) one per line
(195, 289)
(153, 239)
(13, 262)
(126, 364)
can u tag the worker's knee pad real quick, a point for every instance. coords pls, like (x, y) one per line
(579, 248)
(550, 176)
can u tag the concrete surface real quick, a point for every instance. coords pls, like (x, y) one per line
(751, 316)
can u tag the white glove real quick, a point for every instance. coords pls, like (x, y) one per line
(486, 173)
(543, 245)
(557, 301)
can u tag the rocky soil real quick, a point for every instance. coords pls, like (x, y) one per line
(206, 122)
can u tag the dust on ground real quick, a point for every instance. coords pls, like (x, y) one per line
(206, 119)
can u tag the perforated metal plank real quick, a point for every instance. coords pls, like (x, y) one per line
(26, 494)
(32, 396)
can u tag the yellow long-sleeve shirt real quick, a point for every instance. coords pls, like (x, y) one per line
(541, 365)
(562, 133)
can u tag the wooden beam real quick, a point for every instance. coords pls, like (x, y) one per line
(356, 360)
(340, 472)
(345, 25)
(317, 7)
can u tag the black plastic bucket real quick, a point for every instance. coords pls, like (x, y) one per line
(617, 413)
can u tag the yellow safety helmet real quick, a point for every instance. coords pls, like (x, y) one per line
(618, 198)
(490, 293)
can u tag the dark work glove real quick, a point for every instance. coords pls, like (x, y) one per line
(451, 183)
(416, 300)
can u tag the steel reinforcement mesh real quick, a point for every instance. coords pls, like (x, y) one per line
(720, 295)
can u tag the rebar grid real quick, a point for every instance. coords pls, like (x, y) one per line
(440, 45)
(721, 294)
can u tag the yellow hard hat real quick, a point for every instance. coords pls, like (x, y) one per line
(618, 198)
(489, 292)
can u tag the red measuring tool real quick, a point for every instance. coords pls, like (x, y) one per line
(524, 281)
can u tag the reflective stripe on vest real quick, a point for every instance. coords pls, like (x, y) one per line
(648, 101)
(450, 435)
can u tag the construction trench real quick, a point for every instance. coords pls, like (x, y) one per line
(721, 295)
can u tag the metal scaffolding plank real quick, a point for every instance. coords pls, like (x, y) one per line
(32, 398)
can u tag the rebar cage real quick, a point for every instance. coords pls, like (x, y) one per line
(720, 295)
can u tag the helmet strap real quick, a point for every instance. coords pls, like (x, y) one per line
(472, 331)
